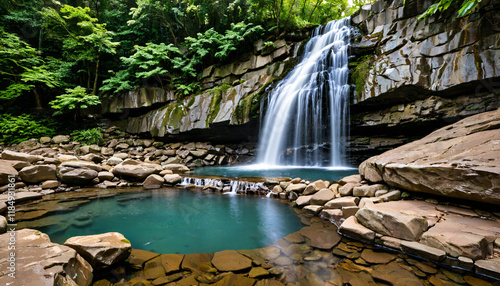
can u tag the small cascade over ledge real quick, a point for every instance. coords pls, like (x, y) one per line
(307, 113)
(226, 186)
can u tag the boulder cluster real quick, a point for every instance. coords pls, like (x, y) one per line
(59, 164)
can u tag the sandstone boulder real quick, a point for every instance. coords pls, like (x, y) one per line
(296, 188)
(60, 139)
(101, 250)
(153, 182)
(77, 176)
(6, 170)
(368, 190)
(321, 197)
(18, 165)
(303, 200)
(460, 160)
(314, 187)
(338, 203)
(82, 164)
(392, 222)
(11, 155)
(172, 179)
(176, 168)
(322, 238)
(42, 262)
(135, 169)
(352, 228)
(38, 173)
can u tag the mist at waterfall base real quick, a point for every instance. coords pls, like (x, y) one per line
(180, 221)
(305, 125)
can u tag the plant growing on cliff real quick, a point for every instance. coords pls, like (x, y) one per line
(361, 71)
(466, 7)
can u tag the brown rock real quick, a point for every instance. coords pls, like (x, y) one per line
(230, 260)
(176, 168)
(373, 257)
(171, 262)
(257, 272)
(314, 187)
(101, 250)
(346, 190)
(18, 156)
(172, 179)
(135, 169)
(297, 188)
(394, 274)
(422, 250)
(312, 209)
(41, 262)
(303, 200)
(368, 190)
(352, 228)
(6, 171)
(37, 174)
(338, 203)
(321, 238)
(153, 182)
(444, 162)
(352, 179)
(138, 257)
(322, 196)
(235, 279)
(197, 262)
(463, 236)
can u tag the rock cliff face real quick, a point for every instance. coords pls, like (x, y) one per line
(413, 76)
(228, 106)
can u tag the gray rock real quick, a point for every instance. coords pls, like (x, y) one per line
(101, 250)
(38, 173)
(18, 165)
(61, 139)
(113, 161)
(490, 267)
(77, 176)
(82, 164)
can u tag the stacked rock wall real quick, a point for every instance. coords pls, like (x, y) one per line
(420, 74)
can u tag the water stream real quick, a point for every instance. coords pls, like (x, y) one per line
(306, 119)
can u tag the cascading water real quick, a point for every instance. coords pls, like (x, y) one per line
(306, 119)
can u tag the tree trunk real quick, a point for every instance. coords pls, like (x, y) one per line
(312, 12)
(94, 91)
(88, 76)
(37, 98)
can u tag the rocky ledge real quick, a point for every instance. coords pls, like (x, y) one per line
(460, 160)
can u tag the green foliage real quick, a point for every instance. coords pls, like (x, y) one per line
(74, 100)
(466, 7)
(21, 67)
(360, 72)
(15, 129)
(88, 136)
(148, 61)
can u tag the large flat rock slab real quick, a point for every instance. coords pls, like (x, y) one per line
(321, 238)
(459, 160)
(471, 237)
(41, 262)
(231, 260)
(401, 219)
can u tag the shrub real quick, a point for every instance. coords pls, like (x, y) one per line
(16, 129)
(88, 136)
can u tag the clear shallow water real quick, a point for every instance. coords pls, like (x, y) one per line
(251, 171)
(181, 221)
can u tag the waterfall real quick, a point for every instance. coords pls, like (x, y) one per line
(307, 112)
(233, 186)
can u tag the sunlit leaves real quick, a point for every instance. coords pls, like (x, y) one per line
(74, 100)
